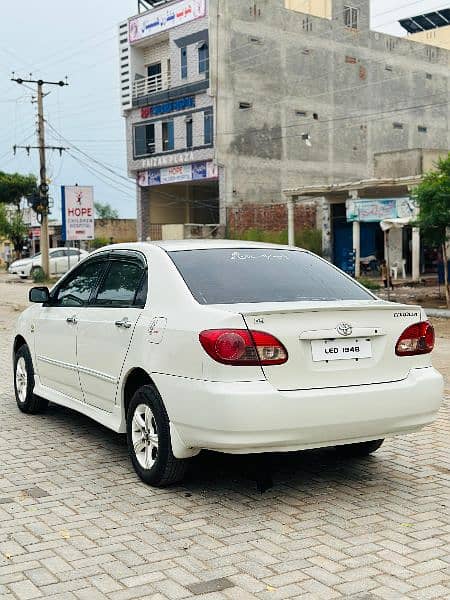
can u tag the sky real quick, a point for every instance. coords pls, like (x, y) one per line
(53, 39)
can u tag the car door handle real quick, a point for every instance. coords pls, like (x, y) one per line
(72, 320)
(124, 323)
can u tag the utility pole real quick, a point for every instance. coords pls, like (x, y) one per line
(43, 187)
(43, 179)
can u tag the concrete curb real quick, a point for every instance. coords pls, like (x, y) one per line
(438, 312)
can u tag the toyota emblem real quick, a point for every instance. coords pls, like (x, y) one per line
(344, 329)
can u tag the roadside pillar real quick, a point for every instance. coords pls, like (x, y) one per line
(357, 247)
(416, 254)
(356, 238)
(291, 224)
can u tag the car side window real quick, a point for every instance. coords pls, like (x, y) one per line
(72, 252)
(57, 254)
(121, 284)
(77, 290)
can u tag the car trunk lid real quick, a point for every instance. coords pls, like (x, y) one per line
(334, 344)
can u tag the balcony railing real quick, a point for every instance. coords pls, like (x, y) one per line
(150, 85)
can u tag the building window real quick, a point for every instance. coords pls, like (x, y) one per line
(167, 136)
(351, 17)
(154, 75)
(203, 58)
(144, 140)
(422, 129)
(245, 105)
(189, 133)
(208, 128)
(184, 63)
(397, 125)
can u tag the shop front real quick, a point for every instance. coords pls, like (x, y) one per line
(366, 222)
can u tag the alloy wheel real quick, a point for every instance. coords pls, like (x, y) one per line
(21, 379)
(145, 436)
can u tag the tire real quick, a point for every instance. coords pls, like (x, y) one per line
(359, 450)
(24, 383)
(149, 444)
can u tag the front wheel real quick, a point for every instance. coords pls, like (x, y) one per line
(149, 444)
(359, 450)
(24, 383)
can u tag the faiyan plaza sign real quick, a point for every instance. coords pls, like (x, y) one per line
(160, 20)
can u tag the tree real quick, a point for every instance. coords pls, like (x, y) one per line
(14, 186)
(105, 211)
(13, 227)
(433, 197)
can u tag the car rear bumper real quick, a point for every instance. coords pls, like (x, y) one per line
(255, 417)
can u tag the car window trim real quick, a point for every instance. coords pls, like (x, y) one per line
(121, 254)
(131, 258)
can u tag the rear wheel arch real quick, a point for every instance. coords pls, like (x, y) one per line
(134, 380)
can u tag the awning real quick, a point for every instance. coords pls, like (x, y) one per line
(389, 224)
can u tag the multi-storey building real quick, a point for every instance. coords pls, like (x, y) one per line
(169, 107)
(229, 102)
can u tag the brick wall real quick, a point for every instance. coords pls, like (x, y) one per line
(269, 218)
(121, 230)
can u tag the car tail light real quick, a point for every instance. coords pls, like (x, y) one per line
(416, 339)
(243, 347)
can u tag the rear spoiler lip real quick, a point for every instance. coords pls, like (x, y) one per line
(324, 307)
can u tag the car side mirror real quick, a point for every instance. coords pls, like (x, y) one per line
(39, 295)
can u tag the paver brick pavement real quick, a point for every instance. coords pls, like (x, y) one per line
(76, 523)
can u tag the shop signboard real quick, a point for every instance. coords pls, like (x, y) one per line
(176, 174)
(165, 18)
(168, 107)
(180, 173)
(77, 212)
(371, 211)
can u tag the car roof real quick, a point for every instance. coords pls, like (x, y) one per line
(174, 245)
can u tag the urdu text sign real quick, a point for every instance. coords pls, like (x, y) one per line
(77, 213)
(162, 19)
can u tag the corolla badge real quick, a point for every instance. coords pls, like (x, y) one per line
(344, 329)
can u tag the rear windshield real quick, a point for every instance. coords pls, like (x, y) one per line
(231, 276)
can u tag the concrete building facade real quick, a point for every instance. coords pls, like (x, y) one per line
(301, 92)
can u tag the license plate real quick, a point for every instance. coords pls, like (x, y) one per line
(340, 349)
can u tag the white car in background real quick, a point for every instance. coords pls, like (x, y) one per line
(61, 260)
(231, 346)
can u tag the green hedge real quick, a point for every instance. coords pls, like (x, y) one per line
(310, 239)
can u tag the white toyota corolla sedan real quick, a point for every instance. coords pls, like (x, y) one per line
(60, 261)
(232, 346)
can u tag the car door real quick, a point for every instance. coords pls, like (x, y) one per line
(53, 260)
(106, 327)
(74, 257)
(56, 329)
(57, 261)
